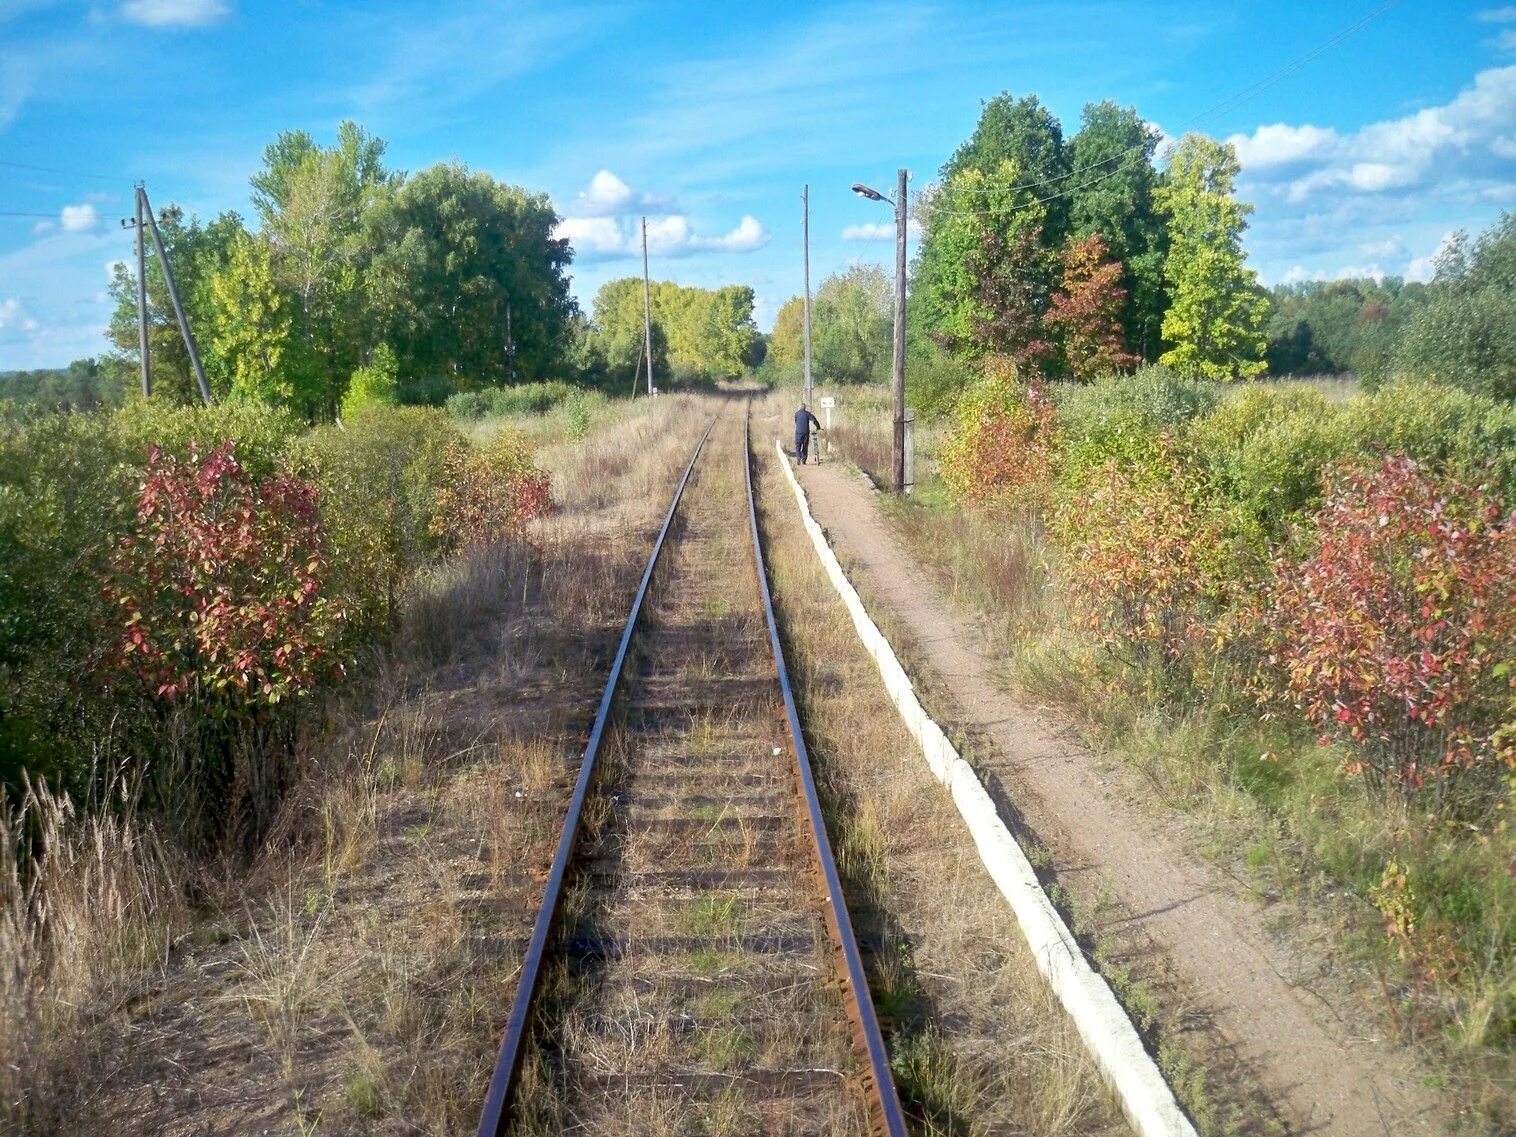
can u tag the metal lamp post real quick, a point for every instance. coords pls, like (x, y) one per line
(897, 455)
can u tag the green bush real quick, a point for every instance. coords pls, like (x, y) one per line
(376, 385)
(1463, 433)
(1120, 418)
(1266, 449)
(1464, 339)
(529, 398)
(263, 434)
(66, 487)
(378, 478)
(934, 379)
(425, 390)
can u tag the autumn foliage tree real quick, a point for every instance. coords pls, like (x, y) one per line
(1013, 277)
(1086, 313)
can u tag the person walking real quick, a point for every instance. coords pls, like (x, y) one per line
(804, 421)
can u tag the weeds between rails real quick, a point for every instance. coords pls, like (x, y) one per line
(690, 990)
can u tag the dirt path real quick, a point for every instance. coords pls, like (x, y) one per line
(1212, 938)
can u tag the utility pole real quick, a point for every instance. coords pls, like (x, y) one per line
(147, 373)
(898, 454)
(805, 198)
(144, 208)
(510, 346)
(647, 312)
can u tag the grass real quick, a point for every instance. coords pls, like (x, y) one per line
(1269, 804)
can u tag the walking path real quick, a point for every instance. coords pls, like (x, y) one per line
(1211, 937)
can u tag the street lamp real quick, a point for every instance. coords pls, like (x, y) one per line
(897, 455)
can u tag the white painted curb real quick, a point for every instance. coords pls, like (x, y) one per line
(1133, 1075)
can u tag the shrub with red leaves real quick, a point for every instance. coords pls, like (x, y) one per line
(1000, 453)
(489, 492)
(218, 585)
(1396, 636)
(1148, 564)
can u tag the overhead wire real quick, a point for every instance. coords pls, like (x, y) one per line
(1227, 104)
(64, 173)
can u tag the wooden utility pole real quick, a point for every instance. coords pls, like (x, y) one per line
(898, 455)
(147, 372)
(144, 207)
(805, 230)
(647, 311)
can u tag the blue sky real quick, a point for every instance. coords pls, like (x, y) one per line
(710, 117)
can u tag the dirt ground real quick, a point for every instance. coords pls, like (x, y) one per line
(1261, 1005)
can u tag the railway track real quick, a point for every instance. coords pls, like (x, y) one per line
(692, 967)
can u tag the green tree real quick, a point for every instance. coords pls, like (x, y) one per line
(852, 325)
(312, 201)
(1024, 132)
(195, 252)
(489, 286)
(1466, 335)
(787, 340)
(1112, 195)
(985, 273)
(252, 351)
(618, 332)
(1217, 311)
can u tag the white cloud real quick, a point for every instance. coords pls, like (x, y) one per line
(601, 223)
(1505, 15)
(1282, 145)
(592, 235)
(748, 235)
(672, 235)
(608, 196)
(1358, 272)
(1380, 249)
(176, 13)
(1295, 275)
(1467, 142)
(879, 231)
(79, 218)
(13, 317)
(1424, 268)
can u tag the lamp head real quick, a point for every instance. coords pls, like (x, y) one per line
(863, 191)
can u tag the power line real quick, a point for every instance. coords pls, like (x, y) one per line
(1225, 105)
(64, 173)
(12, 213)
(940, 212)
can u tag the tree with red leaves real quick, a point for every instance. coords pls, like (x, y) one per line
(1086, 313)
(1012, 276)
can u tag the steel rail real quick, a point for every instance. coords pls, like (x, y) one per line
(884, 1103)
(498, 1099)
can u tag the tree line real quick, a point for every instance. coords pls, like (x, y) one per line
(357, 283)
(1459, 329)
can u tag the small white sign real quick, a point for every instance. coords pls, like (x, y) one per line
(828, 402)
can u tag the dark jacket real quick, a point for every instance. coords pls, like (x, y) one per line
(804, 420)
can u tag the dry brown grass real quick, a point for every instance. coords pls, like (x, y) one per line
(354, 977)
(979, 1043)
